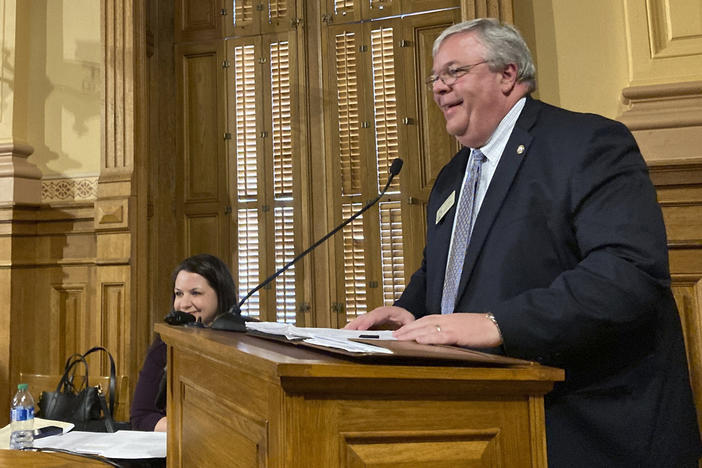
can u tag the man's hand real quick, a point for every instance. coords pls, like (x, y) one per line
(393, 316)
(462, 329)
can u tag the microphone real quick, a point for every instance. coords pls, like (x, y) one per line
(395, 168)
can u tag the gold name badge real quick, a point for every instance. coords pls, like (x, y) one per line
(445, 206)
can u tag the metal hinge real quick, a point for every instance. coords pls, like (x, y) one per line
(372, 284)
(295, 22)
(223, 12)
(338, 307)
(405, 43)
(327, 18)
(227, 136)
(363, 48)
(226, 64)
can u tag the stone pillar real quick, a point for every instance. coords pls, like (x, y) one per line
(20, 185)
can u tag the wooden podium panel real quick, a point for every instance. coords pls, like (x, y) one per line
(239, 401)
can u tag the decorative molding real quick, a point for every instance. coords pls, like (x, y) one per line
(672, 105)
(112, 213)
(69, 190)
(20, 180)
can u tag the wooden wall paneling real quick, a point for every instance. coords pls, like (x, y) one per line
(165, 243)
(201, 152)
(688, 296)
(679, 187)
(197, 20)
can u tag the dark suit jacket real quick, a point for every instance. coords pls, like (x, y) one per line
(569, 253)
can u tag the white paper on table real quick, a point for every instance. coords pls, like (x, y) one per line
(120, 444)
(327, 337)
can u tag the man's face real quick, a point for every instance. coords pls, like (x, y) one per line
(474, 105)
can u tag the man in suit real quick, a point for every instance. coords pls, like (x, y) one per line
(558, 255)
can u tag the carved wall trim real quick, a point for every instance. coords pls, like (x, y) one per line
(69, 189)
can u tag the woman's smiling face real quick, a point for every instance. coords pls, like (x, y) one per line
(194, 295)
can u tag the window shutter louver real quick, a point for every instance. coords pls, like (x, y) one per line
(284, 252)
(347, 95)
(243, 12)
(386, 147)
(247, 259)
(282, 150)
(391, 251)
(246, 160)
(245, 123)
(354, 263)
(280, 111)
(385, 105)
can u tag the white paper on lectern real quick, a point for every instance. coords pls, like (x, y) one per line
(120, 444)
(327, 337)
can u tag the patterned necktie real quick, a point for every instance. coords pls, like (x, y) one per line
(461, 233)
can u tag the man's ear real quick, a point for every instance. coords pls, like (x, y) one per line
(508, 78)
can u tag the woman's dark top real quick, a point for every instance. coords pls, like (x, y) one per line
(145, 415)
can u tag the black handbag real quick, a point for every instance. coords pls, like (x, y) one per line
(80, 403)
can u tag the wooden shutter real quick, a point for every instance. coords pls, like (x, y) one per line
(283, 193)
(386, 150)
(263, 150)
(246, 118)
(249, 17)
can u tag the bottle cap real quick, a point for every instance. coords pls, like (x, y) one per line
(22, 386)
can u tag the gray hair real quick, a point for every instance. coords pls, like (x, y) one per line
(503, 44)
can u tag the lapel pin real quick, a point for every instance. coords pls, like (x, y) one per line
(520, 149)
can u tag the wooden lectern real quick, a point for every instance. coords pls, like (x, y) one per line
(240, 401)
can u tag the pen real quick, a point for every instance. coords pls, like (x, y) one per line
(369, 336)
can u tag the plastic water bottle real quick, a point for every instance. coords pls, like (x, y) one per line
(22, 419)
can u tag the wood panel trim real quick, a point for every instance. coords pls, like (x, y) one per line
(501, 9)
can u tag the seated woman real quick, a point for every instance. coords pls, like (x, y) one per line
(203, 287)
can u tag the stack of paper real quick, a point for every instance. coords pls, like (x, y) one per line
(326, 337)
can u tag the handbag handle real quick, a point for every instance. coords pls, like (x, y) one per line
(66, 382)
(112, 383)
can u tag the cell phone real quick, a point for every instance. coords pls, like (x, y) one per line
(47, 431)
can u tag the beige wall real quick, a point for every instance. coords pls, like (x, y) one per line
(64, 86)
(580, 51)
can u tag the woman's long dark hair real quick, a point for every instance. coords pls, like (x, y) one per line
(217, 275)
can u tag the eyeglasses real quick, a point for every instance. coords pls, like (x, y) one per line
(450, 75)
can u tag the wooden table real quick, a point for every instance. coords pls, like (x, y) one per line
(241, 401)
(17, 458)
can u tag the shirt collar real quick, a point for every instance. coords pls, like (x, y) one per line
(498, 140)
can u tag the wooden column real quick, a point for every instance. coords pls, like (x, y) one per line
(120, 208)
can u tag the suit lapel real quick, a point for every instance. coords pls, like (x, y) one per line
(515, 151)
